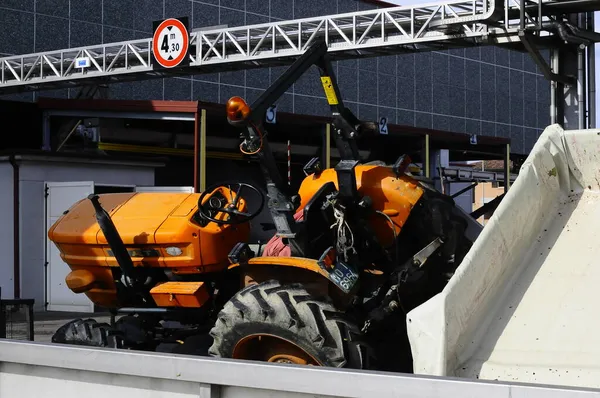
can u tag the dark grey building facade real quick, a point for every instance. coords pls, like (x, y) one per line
(485, 91)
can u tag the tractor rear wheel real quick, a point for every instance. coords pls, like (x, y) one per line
(271, 322)
(88, 332)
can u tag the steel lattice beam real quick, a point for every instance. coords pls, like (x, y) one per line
(350, 35)
(106, 60)
(351, 32)
(394, 30)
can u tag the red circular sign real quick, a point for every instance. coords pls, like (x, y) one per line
(170, 43)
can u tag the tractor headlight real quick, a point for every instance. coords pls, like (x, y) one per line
(173, 251)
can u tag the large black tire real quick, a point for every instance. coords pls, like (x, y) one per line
(291, 313)
(88, 333)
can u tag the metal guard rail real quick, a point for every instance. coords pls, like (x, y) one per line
(28, 368)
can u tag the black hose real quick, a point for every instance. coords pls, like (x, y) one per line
(113, 238)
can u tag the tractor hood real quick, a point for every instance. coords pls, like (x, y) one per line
(137, 217)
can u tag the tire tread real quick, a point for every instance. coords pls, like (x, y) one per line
(291, 312)
(88, 332)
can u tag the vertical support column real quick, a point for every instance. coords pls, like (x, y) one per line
(2, 318)
(326, 150)
(581, 108)
(209, 391)
(427, 171)
(440, 160)
(289, 163)
(507, 168)
(522, 14)
(554, 110)
(591, 72)
(197, 151)
(570, 100)
(567, 102)
(203, 150)
(16, 227)
(46, 144)
(31, 321)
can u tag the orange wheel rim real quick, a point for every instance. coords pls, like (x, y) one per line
(269, 348)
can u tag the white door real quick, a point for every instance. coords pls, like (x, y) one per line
(164, 189)
(61, 196)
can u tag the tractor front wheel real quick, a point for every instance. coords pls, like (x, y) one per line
(271, 322)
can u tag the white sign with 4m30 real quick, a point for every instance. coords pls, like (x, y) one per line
(170, 43)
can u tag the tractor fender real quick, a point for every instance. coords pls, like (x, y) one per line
(293, 270)
(296, 262)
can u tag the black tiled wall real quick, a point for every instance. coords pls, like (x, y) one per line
(485, 90)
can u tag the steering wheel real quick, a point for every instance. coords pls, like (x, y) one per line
(224, 198)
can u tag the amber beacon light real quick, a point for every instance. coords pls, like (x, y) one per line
(237, 109)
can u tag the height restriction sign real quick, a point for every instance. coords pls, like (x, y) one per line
(171, 42)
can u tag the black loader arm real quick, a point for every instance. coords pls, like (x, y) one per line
(346, 128)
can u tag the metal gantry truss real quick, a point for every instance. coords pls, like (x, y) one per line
(394, 30)
(350, 35)
(107, 62)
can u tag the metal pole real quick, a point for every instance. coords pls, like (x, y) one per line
(31, 321)
(203, 150)
(591, 71)
(507, 168)
(581, 78)
(580, 90)
(196, 152)
(540, 16)
(46, 146)
(522, 9)
(441, 172)
(289, 163)
(427, 173)
(2, 321)
(327, 145)
(68, 135)
(553, 86)
(466, 189)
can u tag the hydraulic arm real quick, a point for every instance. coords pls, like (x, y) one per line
(346, 128)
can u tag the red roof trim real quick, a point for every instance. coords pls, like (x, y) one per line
(219, 109)
(119, 105)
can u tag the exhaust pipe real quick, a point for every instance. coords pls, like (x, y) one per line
(114, 241)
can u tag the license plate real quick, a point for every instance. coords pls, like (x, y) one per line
(341, 274)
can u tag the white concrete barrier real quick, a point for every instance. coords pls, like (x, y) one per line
(29, 369)
(523, 305)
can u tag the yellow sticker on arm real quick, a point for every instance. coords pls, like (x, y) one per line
(329, 90)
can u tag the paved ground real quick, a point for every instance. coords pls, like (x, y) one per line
(46, 323)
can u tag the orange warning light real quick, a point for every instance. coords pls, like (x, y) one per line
(237, 109)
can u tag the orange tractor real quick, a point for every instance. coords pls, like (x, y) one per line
(355, 249)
